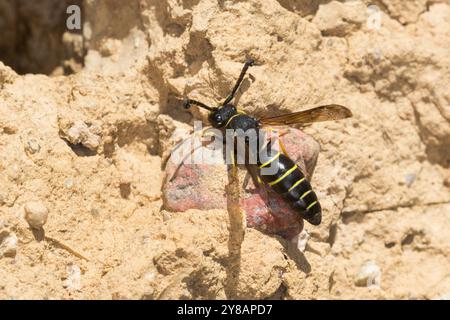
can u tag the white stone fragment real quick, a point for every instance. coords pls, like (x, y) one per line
(150, 276)
(73, 281)
(368, 275)
(80, 133)
(36, 214)
(8, 244)
(32, 146)
(68, 183)
(303, 238)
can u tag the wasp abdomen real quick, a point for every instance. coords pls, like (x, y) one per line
(289, 181)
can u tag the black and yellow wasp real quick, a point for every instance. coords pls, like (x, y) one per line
(287, 180)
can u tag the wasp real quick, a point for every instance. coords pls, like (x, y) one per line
(287, 179)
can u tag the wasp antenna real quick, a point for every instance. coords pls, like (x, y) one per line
(187, 104)
(250, 62)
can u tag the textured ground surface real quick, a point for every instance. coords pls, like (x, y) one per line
(87, 151)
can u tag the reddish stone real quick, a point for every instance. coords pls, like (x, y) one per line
(202, 186)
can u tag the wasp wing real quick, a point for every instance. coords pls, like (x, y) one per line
(317, 114)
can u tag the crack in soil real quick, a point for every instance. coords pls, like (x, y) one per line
(348, 216)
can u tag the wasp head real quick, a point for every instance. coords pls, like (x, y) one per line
(221, 115)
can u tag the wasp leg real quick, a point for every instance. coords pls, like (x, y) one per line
(233, 161)
(200, 133)
(247, 177)
(248, 63)
(246, 180)
(282, 147)
(236, 229)
(233, 194)
(254, 176)
(259, 184)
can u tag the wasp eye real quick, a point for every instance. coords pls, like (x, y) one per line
(218, 118)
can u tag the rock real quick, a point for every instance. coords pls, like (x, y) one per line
(36, 214)
(7, 75)
(8, 244)
(394, 78)
(75, 132)
(80, 133)
(32, 146)
(447, 182)
(110, 47)
(338, 19)
(68, 183)
(150, 276)
(406, 12)
(171, 133)
(9, 129)
(166, 215)
(368, 275)
(410, 178)
(73, 280)
(301, 240)
(201, 186)
(95, 212)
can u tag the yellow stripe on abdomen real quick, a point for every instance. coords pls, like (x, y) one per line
(305, 194)
(283, 176)
(309, 207)
(270, 161)
(296, 184)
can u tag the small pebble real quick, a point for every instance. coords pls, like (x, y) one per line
(150, 276)
(14, 173)
(68, 183)
(10, 129)
(79, 132)
(410, 178)
(368, 275)
(94, 211)
(137, 42)
(92, 141)
(302, 240)
(145, 240)
(148, 294)
(36, 214)
(125, 190)
(8, 244)
(447, 182)
(166, 216)
(73, 281)
(32, 146)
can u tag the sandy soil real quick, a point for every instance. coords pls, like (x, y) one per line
(82, 154)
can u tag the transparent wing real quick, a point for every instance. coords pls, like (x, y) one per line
(322, 113)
